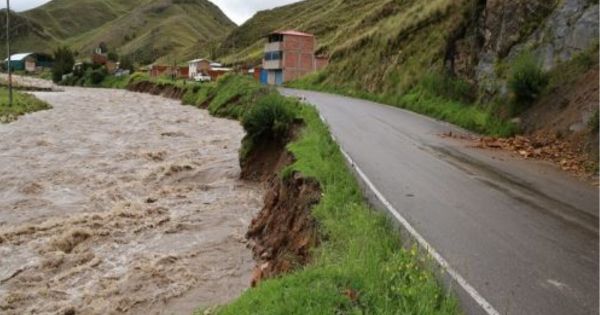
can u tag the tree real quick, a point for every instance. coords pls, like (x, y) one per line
(63, 63)
(103, 47)
(113, 56)
(126, 63)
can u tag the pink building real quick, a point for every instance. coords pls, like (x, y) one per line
(289, 55)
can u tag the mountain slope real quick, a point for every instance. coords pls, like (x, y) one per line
(450, 59)
(328, 19)
(145, 29)
(389, 45)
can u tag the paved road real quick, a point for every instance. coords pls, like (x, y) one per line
(522, 233)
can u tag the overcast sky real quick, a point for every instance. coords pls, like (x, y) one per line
(237, 10)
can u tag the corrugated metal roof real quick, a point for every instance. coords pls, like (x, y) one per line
(18, 57)
(292, 32)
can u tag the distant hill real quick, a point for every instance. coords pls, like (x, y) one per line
(167, 30)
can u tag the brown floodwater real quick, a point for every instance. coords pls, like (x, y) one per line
(117, 202)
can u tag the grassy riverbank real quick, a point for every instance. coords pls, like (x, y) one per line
(22, 104)
(360, 266)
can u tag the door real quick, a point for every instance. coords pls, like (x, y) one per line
(264, 76)
(279, 77)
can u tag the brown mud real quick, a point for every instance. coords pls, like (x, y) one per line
(153, 88)
(285, 231)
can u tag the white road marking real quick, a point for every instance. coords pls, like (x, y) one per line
(480, 300)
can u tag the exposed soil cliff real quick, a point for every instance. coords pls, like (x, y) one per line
(153, 88)
(283, 233)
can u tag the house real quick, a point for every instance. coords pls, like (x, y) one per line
(159, 70)
(218, 72)
(206, 67)
(289, 55)
(198, 66)
(170, 71)
(30, 62)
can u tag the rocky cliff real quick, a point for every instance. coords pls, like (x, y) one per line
(500, 30)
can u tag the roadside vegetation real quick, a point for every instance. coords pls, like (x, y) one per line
(22, 104)
(436, 96)
(360, 266)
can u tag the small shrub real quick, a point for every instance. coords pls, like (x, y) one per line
(451, 88)
(594, 122)
(97, 76)
(63, 63)
(271, 118)
(126, 63)
(527, 80)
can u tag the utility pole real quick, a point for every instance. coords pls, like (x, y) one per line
(10, 87)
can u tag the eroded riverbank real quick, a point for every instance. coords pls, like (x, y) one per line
(121, 202)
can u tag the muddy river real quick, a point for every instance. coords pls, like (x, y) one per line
(117, 202)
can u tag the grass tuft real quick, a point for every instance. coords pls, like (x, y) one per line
(23, 103)
(361, 266)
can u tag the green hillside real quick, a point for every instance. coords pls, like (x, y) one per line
(145, 29)
(25, 34)
(328, 19)
(372, 37)
(450, 59)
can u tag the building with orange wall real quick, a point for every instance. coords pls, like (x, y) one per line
(290, 55)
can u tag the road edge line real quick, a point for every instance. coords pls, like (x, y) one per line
(468, 288)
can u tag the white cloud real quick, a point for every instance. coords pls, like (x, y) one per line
(241, 10)
(237, 10)
(21, 5)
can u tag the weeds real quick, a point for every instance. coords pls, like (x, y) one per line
(270, 119)
(361, 267)
(436, 97)
(594, 122)
(527, 81)
(22, 104)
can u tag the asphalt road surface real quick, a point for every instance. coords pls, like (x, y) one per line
(523, 234)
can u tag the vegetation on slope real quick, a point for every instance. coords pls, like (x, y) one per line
(22, 104)
(328, 19)
(388, 51)
(173, 30)
(360, 266)
(25, 33)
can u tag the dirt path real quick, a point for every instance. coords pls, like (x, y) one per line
(117, 202)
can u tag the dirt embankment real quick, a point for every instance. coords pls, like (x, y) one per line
(168, 91)
(284, 232)
(559, 128)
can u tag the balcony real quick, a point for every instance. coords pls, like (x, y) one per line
(272, 64)
(274, 46)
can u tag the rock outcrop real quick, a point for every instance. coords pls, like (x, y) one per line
(498, 31)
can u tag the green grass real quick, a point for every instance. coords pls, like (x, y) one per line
(569, 72)
(22, 104)
(421, 99)
(146, 30)
(231, 96)
(360, 251)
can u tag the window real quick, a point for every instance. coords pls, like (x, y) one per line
(275, 38)
(274, 55)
